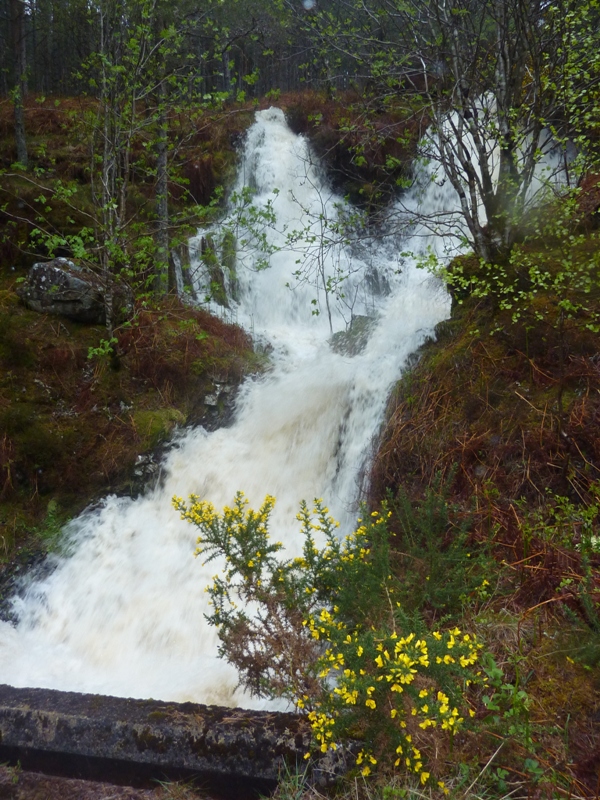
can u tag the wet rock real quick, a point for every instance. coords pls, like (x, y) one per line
(354, 340)
(61, 287)
(18, 575)
(229, 259)
(219, 406)
(378, 284)
(216, 275)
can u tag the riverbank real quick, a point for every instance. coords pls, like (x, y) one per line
(75, 428)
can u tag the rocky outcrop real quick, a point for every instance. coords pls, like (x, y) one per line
(234, 751)
(61, 287)
(216, 276)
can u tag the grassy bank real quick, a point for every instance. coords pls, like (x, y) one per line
(500, 414)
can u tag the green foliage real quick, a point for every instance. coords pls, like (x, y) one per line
(553, 285)
(571, 74)
(330, 634)
(507, 704)
(104, 350)
(442, 570)
(249, 225)
(572, 526)
(564, 523)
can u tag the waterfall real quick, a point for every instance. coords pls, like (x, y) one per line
(122, 612)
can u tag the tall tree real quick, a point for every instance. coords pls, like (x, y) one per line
(17, 22)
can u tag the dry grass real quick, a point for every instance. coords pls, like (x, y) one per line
(507, 426)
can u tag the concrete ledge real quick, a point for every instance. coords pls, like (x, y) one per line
(235, 752)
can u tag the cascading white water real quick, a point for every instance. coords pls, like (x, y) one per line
(123, 613)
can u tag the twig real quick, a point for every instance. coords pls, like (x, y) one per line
(492, 757)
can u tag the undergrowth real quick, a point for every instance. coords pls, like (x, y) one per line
(72, 427)
(449, 686)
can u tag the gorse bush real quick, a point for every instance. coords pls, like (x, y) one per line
(328, 631)
(441, 568)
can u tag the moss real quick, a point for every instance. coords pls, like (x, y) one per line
(15, 348)
(158, 716)
(155, 426)
(147, 739)
(8, 298)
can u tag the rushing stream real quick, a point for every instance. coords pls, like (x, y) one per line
(123, 613)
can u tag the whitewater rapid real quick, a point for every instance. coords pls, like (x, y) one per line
(122, 614)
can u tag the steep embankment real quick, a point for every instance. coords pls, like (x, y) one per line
(501, 414)
(74, 427)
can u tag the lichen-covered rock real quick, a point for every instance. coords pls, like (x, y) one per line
(228, 746)
(61, 287)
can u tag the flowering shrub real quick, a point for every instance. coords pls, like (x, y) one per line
(325, 630)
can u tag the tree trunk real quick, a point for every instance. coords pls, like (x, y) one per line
(164, 275)
(17, 19)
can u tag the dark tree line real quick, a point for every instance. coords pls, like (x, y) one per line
(249, 47)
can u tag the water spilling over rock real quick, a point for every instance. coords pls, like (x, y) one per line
(122, 613)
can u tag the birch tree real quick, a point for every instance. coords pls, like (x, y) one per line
(485, 76)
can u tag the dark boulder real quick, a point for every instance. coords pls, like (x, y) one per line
(61, 287)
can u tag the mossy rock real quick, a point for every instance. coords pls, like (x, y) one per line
(154, 426)
(354, 340)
